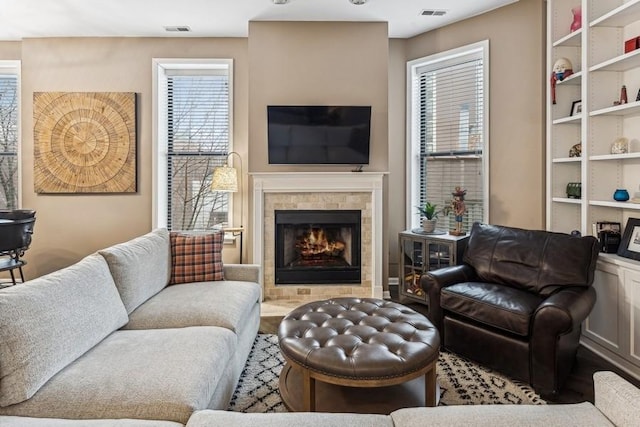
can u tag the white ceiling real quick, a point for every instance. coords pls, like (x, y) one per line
(217, 18)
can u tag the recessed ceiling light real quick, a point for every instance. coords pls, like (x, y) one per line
(358, 1)
(280, 1)
(433, 12)
(178, 29)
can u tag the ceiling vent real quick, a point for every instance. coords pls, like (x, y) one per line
(433, 12)
(178, 29)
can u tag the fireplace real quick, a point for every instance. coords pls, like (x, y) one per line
(317, 246)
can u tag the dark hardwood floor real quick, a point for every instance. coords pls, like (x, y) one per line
(578, 387)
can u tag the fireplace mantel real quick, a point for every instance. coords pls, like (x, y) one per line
(322, 182)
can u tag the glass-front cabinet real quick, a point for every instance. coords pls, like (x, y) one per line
(421, 252)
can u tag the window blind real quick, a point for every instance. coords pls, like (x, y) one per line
(448, 97)
(8, 141)
(197, 142)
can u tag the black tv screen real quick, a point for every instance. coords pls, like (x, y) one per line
(318, 134)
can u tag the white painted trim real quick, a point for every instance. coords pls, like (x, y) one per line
(159, 196)
(413, 135)
(314, 182)
(13, 67)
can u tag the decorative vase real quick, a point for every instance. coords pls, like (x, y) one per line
(577, 18)
(621, 195)
(620, 146)
(428, 225)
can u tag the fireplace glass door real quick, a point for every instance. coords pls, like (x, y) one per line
(317, 246)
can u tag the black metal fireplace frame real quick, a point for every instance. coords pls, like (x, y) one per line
(287, 275)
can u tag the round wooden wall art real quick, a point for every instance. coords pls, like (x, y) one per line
(84, 142)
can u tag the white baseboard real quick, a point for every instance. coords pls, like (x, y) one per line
(611, 357)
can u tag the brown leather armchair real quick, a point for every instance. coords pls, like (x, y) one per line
(517, 303)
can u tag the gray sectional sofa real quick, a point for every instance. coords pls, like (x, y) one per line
(106, 343)
(107, 338)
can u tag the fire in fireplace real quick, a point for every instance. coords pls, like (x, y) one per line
(317, 247)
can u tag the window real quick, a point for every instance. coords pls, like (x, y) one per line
(193, 100)
(9, 135)
(447, 132)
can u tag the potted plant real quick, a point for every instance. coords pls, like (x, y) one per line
(429, 214)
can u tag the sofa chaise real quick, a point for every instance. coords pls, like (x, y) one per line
(615, 405)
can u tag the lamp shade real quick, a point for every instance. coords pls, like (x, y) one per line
(225, 178)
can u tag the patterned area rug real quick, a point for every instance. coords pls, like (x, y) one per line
(461, 382)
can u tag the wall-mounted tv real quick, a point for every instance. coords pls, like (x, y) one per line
(318, 134)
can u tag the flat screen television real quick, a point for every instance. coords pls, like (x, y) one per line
(318, 134)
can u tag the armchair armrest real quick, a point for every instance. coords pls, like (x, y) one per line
(564, 310)
(433, 282)
(555, 334)
(242, 272)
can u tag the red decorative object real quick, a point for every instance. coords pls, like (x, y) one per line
(631, 44)
(577, 18)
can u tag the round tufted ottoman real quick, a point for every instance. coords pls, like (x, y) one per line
(353, 343)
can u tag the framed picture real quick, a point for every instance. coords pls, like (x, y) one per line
(576, 108)
(608, 226)
(630, 244)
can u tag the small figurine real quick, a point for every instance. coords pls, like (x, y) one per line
(623, 95)
(576, 150)
(459, 208)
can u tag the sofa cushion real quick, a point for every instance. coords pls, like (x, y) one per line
(57, 422)
(51, 321)
(159, 374)
(196, 257)
(576, 415)
(140, 267)
(616, 398)
(499, 306)
(300, 419)
(532, 260)
(223, 303)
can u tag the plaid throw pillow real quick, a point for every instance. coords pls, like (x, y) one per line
(196, 257)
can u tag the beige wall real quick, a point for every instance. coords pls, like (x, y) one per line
(69, 227)
(397, 179)
(317, 63)
(10, 50)
(516, 35)
(516, 103)
(292, 62)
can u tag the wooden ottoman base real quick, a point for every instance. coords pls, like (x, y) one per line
(322, 396)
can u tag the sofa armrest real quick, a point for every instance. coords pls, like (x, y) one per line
(616, 398)
(433, 282)
(242, 272)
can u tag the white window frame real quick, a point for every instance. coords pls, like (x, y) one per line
(13, 67)
(413, 125)
(160, 196)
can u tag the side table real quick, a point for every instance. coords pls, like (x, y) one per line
(421, 252)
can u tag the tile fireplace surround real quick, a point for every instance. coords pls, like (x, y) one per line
(318, 190)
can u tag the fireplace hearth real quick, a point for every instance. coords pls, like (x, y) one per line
(317, 247)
